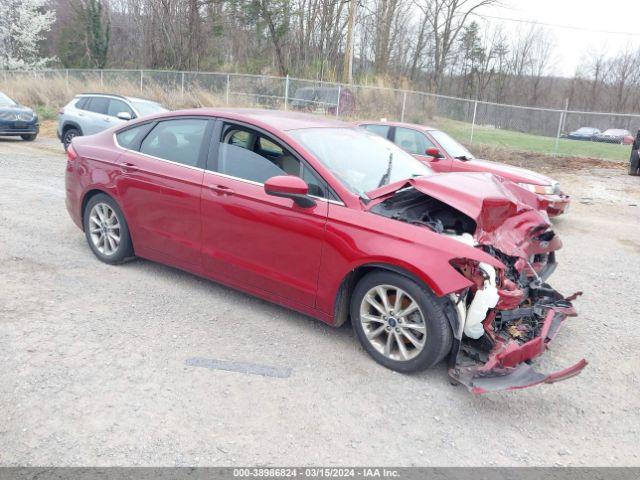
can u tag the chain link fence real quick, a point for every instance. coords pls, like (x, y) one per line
(472, 122)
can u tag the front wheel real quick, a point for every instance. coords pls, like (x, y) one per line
(634, 164)
(399, 322)
(106, 230)
(29, 138)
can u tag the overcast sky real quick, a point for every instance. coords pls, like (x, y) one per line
(573, 45)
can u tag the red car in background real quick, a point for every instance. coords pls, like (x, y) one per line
(444, 154)
(335, 222)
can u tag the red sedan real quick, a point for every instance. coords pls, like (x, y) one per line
(330, 220)
(444, 154)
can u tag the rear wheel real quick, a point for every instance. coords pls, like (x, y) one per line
(106, 230)
(29, 138)
(399, 322)
(68, 135)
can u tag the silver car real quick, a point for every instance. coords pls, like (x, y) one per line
(91, 113)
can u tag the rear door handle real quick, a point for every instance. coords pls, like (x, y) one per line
(221, 189)
(128, 167)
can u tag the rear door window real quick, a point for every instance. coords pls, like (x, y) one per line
(82, 103)
(178, 140)
(98, 105)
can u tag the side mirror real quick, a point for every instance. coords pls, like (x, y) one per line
(290, 186)
(434, 152)
(126, 116)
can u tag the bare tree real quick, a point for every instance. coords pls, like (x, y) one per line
(447, 18)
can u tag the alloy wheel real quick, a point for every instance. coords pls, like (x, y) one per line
(393, 322)
(104, 229)
(70, 135)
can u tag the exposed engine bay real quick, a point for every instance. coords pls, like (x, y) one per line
(509, 315)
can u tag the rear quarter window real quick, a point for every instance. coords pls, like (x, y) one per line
(131, 137)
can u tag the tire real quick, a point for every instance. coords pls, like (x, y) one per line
(96, 224)
(634, 164)
(437, 340)
(68, 135)
(29, 138)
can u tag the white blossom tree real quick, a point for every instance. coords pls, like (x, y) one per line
(22, 25)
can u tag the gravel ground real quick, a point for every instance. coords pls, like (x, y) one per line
(96, 370)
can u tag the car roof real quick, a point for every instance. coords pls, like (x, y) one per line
(268, 119)
(114, 95)
(414, 126)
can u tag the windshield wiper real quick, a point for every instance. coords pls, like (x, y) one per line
(385, 178)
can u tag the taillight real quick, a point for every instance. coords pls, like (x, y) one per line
(71, 153)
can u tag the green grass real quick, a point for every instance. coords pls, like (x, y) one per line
(46, 113)
(526, 142)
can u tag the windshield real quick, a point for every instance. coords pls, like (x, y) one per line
(452, 147)
(6, 101)
(145, 107)
(361, 160)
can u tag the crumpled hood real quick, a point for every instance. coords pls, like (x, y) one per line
(515, 174)
(507, 216)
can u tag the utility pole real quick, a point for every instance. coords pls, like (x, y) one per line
(347, 64)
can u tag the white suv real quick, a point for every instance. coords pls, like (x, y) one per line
(91, 113)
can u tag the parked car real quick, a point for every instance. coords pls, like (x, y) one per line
(614, 135)
(330, 220)
(91, 113)
(444, 154)
(584, 133)
(325, 100)
(17, 120)
(634, 160)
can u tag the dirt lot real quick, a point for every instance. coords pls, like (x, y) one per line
(96, 370)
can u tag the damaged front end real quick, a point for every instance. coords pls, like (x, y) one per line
(508, 316)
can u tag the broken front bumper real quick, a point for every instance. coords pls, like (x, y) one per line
(557, 204)
(507, 366)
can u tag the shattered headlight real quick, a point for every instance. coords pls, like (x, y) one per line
(541, 189)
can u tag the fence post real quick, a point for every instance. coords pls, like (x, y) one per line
(67, 76)
(404, 105)
(102, 78)
(563, 115)
(228, 87)
(473, 121)
(338, 102)
(182, 86)
(140, 81)
(286, 92)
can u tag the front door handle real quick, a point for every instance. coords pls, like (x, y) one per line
(221, 189)
(128, 167)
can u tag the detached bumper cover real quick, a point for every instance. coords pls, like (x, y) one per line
(508, 364)
(522, 376)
